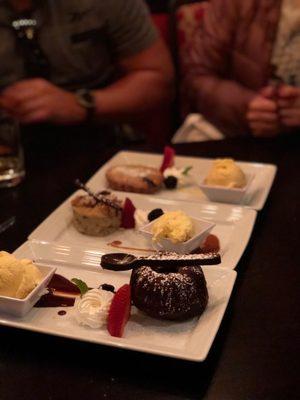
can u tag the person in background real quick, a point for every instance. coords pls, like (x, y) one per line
(245, 73)
(71, 62)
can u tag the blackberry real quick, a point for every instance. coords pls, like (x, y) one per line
(108, 287)
(171, 182)
(157, 212)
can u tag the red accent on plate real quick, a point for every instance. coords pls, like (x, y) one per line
(127, 219)
(169, 157)
(211, 243)
(119, 311)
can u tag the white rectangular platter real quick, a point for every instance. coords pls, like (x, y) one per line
(234, 225)
(255, 198)
(189, 340)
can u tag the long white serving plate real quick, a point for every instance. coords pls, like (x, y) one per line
(189, 340)
(255, 198)
(234, 225)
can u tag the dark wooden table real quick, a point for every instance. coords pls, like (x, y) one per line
(255, 354)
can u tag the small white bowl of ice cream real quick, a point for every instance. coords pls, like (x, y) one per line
(22, 283)
(226, 182)
(175, 231)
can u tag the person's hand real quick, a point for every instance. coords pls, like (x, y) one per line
(262, 114)
(289, 106)
(37, 100)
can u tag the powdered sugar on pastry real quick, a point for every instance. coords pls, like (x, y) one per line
(134, 178)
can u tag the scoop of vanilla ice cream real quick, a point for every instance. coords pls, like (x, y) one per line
(17, 277)
(173, 225)
(30, 279)
(225, 172)
(10, 275)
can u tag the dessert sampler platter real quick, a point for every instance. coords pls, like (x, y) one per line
(140, 257)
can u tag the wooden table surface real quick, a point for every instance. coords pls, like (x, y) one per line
(256, 352)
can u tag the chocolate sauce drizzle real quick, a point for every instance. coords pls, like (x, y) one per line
(61, 293)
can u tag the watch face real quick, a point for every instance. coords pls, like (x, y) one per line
(85, 98)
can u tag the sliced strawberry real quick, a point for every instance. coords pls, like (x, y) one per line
(169, 158)
(119, 311)
(211, 243)
(127, 219)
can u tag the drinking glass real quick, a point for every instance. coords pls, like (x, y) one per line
(12, 168)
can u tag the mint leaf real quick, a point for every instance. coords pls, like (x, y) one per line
(82, 286)
(186, 170)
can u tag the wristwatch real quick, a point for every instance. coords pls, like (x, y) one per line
(86, 99)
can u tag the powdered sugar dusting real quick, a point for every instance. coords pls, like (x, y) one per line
(133, 171)
(174, 289)
(175, 256)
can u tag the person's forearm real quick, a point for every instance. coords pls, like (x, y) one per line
(133, 97)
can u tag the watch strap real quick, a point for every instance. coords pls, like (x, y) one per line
(86, 100)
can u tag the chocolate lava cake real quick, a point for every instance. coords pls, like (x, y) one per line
(176, 294)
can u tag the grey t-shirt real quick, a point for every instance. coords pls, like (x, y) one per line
(82, 39)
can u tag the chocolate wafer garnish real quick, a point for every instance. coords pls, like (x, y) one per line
(124, 261)
(100, 198)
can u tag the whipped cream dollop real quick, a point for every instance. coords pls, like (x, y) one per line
(140, 218)
(183, 178)
(92, 308)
